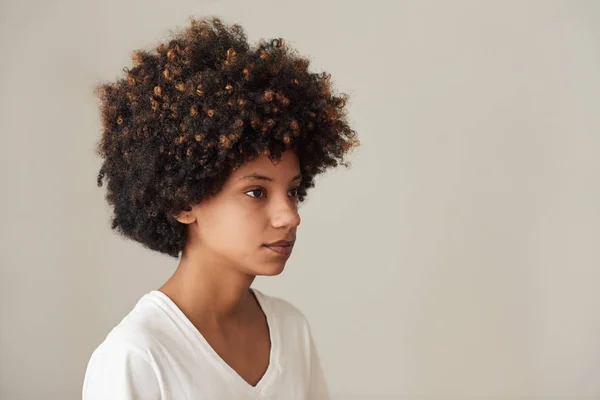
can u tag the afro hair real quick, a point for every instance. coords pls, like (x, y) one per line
(199, 106)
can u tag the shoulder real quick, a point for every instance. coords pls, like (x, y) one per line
(133, 336)
(119, 370)
(139, 329)
(123, 363)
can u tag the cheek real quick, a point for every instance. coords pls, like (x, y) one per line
(236, 230)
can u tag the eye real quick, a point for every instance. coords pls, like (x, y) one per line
(294, 192)
(256, 193)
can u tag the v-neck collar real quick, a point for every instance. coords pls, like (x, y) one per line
(272, 370)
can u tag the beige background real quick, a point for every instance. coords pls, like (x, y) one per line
(457, 259)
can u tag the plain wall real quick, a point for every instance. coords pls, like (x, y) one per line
(457, 258)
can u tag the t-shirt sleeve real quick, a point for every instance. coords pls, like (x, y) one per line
(119, 371)
(318, 389)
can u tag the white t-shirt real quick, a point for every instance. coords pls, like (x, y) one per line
(157, 353)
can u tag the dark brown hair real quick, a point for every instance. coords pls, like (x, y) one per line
(197, 107)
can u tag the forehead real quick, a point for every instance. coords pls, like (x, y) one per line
(288, 166)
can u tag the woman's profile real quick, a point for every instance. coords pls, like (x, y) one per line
(208, 146)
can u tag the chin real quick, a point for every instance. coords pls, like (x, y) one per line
(270, 269)
(270, 262)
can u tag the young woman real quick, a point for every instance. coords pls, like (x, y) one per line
(209, 145)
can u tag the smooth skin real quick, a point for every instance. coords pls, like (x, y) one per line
(226, 250)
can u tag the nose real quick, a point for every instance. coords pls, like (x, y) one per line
(285, 214)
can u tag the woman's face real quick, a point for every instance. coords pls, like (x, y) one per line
(257, 207)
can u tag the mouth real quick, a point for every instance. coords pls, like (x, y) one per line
(284, 249)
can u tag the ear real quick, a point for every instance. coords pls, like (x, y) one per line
(186, 217)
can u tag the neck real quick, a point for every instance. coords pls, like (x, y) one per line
(208, 291)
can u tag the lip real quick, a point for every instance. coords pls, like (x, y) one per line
(281, 243)
(282, 247)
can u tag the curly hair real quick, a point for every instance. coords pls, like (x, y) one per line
(196, 108)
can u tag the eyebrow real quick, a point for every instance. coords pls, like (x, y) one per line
(259, 177)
